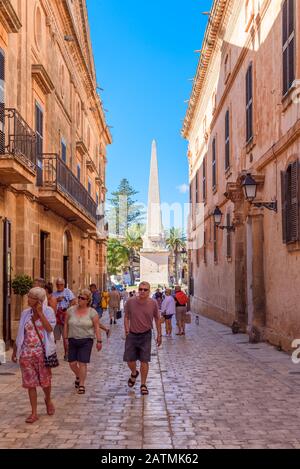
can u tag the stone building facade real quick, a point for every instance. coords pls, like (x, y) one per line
(243, 118)
(53, 139)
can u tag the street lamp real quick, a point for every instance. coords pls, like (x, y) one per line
(249, 186)
(217, 219)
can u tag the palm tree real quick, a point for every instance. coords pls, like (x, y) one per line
(133, 242)
(176, 242)
(117, 256)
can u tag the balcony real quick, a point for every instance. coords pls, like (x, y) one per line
(17, 150)
(60, 191)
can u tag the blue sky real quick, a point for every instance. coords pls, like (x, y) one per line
(144, 56)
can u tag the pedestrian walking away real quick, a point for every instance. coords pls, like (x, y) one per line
(34, 342)
(65, 298)
(80, 328)
(168, 310)
(181, 300)
(139, 314)
(51, 300)
(114, 304)
(96, 304)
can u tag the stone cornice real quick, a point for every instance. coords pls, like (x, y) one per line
(40, 75)
(9, 17)
(195, 97)
(87, 69)
(209, 44)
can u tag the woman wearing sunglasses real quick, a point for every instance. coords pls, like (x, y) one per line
(81, 327)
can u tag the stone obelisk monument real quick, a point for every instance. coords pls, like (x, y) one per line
(154, 257)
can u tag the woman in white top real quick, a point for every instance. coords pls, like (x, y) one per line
(35, 340)
(168, 309)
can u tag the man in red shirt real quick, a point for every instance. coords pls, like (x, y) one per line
(139, 313)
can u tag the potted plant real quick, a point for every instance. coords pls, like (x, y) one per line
(21, 286)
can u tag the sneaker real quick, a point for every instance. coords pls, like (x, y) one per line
(108, 333)
(111, 321)
(115, 322)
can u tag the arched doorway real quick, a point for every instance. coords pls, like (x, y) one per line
(67, 258)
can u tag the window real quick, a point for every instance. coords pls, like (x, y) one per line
(290, 200)
(227, 140)
(97, 198)
(198, 257)
(62, 80)
(204, 179)
(197, 187)
(38, 28)
(204, 248)
(78, 172)
(2, 102)
(88, 138)
(214, 165)
(288, 44)
(214, 102)
(228, 237)
(194, 203)
(39, 124)
(249, 104)
(227, 67)
(78, 115)
(89, 186)
(64, 151)
(215, 244)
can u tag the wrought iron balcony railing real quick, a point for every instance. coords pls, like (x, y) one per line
(17, 138)
(54, 174)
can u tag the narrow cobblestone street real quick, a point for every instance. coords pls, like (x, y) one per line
(209, 389)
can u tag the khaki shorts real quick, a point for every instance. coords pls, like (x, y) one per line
(180, 313)
(58, 331)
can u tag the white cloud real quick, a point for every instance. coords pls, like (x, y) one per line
(183, 188)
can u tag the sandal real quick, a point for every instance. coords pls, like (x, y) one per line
(81, 390)
(144, 390)
(77, 381)
(31, 419)
(132, 379)
(50, 408)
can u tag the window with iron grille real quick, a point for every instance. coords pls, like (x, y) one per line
(249, 103)
(2, 102)
(290, 202)
(215, 243)
(227, 140)
(288, 44)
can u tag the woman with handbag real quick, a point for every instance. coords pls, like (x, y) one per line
(33, 348)
(81, 327)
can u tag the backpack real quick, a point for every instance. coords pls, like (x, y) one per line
(181, 298)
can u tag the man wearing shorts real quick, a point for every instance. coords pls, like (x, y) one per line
(139, 313)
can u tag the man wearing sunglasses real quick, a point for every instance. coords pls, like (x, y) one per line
(139, 313)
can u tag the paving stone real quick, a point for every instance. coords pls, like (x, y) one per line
(213, 393)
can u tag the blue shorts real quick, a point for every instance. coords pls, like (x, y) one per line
(80, 350)
(138, 347)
